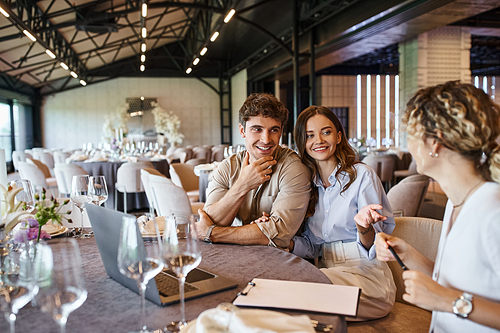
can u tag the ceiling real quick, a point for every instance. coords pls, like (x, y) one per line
(101, 40)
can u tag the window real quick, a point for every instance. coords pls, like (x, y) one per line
(343, 115)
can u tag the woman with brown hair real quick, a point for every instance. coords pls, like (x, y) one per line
(343, 213)
(452, 131)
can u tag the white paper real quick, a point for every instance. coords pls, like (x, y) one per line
(307, 296)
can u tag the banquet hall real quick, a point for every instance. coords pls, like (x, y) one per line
(95, 87)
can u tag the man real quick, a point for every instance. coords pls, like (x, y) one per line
(266, 184)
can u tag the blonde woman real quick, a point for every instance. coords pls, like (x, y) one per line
(452, 130)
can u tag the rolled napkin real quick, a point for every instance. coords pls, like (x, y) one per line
(147, 228)
(229, 318)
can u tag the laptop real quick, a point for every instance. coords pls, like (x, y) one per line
(164, 288)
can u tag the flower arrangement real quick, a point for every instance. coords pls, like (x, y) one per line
(11, 212)
(117, 120)
(167, 123)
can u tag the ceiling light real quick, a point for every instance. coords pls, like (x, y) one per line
(143, 58)
(189, 70)
(229, 15)
(196, 61)
(30, 36)
(214, 36)
(4, 12)
(63, 65)
(50, 54)
(203, 51)
(73, 74)
(142, 98)
(143, 68)
(144, 32)
(83, 83)
(143, 47)
(144, 10)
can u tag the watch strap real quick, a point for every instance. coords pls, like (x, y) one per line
(209, 233)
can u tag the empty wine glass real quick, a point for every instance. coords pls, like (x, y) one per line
(138, 261)
(59, 277)
(80, 196)
(181, 254)
(98, 190)
(26, 196)
(17, 285)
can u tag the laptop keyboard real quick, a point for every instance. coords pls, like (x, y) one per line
(169, 286)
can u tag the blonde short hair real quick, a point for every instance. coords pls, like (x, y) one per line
(462, 118)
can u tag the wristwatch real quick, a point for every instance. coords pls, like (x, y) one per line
(209, 232)
(462, 306)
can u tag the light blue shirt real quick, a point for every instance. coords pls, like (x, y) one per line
(333, 219)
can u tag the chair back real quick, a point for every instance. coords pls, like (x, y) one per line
(412, 169)
(47, 159)
(19, 156)
(202, 153)
(128, 176)
(188, 151)
(182, 175)
(64, 173)
(145, 174)
(383, 164)
(60, 156)
(177, 156)
(196, 161)
(406, 198)
(217, 154)
(40, 165)
(37, 152)
(168, 198)
(33, 174)
(421, 233)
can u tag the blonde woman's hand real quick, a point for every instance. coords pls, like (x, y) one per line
(382, 243)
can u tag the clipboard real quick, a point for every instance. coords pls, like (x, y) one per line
(305, 296)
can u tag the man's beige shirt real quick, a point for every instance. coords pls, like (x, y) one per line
(284, 197)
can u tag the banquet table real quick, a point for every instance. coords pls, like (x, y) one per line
(109, 170)
(110, 307)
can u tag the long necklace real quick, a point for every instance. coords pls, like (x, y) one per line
(468, 194)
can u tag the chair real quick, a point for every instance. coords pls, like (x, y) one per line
(145, 173)
(188, 151)
(196, 161)
(218, 153)
(60, 156)
(40, 165)
(170, 198)
(36, 177)
(412, 170)
(181, 157)
(406, 198)
(423, 234)
(202, 153)
(182, 175)
(19, 156)
(383, 166)
(64, 173)
(36, 152)
(128, 180)
(47, 159)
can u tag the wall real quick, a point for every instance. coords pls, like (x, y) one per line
(74, 117)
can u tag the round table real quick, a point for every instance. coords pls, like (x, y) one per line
(110, 307)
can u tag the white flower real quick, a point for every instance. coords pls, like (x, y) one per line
(115, 121)
(12, 214)
(167, 123)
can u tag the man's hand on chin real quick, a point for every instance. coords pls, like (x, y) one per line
(254, 174)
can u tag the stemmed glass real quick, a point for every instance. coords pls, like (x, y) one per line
(98, 190)
(17, 285)
(181, 254)
(80, 196)
(59, 277)
(26, 196)
(137, 261)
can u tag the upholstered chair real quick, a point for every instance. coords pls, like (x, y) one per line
(128, 178)
(145, 173)
(64, 173)
(182, 175)
(407, 197)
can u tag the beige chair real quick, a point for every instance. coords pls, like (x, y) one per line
(218, 153)
(400, 174)
(188, 151)
(60, 156)
(37, 178)
(423, 234)
(384, 167)
(19, 156)
(145, 173)
(181, 157)
(196, 161)
(182, 175)
(64, 175)
(202, 153)
(128, 180)
(406, 198)
(169, 198)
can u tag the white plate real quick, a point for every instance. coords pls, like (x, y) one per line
(61, 232)
(54, 229)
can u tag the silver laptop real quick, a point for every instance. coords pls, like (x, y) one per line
(164, 288)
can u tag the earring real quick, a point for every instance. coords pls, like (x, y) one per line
(433, 155)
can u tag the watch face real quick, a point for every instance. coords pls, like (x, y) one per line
(464, 306)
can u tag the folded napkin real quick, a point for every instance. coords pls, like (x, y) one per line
(147, 228)
(131, 159)
(228, 318)
(77, 157)
(204, 167)
(159, 157)
(96, 159)
(52, 228)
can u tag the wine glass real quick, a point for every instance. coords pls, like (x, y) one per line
(80, 196)
(98, 190)
(59, 277)
(181, 254)
(17, 285)
(26, 196)
(138, 262)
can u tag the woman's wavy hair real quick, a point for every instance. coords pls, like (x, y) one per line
(462, 118)
(344, 153)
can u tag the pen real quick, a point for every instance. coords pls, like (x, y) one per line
(398, 259)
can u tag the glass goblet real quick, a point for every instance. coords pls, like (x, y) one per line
(80, 196)
(26, 196)
(181, 254)
(138, 262)
(98, 190)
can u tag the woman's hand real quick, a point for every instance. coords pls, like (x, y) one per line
(426, 293)
(368, 215)
(382, 243)
(263, 218)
